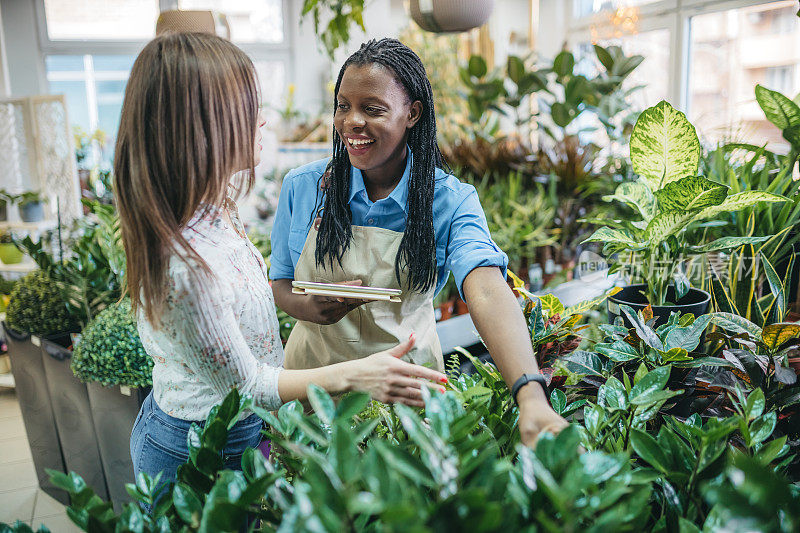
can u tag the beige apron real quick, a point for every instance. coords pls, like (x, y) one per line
(374, 326)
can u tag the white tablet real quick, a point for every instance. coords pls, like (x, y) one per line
(338, 290)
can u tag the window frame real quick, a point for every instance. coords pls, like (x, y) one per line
(673, 15)
(277, 52)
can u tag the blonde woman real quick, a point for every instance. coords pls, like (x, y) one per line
(205, 309)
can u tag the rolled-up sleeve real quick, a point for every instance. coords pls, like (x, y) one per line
(470, 245)
(281, 266)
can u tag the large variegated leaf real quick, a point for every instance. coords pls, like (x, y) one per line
(774, 335)
(779, 109)
(666, 224)
(737, 201)
(664, 146)
(735, 324)
(638, 195)
(606, 235)
(691, 192)
(727, 243)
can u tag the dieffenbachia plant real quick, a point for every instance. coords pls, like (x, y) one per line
(669, 196)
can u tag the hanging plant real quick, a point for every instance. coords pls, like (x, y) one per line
(442, 16)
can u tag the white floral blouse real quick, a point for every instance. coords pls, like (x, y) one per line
(219, 330)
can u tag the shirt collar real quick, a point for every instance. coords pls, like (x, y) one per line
(400, 192)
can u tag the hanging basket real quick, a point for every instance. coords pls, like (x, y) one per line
(442, 16)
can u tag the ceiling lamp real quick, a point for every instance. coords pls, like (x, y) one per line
(442, 16)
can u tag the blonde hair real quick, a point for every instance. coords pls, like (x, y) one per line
(188, 124)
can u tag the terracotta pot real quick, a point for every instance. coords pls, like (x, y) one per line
(461, 307)
(447, 310)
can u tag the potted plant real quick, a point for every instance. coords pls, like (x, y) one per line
(5, 199)
(31, 206)
(9, 253)
(668, 197)
(36, 309)
(110, 359)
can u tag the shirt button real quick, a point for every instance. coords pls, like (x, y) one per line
(371, 221)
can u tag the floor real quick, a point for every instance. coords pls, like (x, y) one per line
(20, 497)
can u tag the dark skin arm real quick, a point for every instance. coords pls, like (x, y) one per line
(309, 308)
(500, 323)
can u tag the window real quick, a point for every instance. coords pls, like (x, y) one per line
(729, 53)
(112, 20)
(94, 86)
(583, 8)
(251, 21)
(90, 46)
(780, 79)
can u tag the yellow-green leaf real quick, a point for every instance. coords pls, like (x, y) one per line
(664, 146)
(774, 335)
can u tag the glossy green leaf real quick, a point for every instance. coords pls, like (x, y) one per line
(515, 68)
(735, 324)
(187, 504)
(322, 403)
(477, 66)
(654, 381)
(779, 109)
(648, 449)
(563, 63)
(619, 351)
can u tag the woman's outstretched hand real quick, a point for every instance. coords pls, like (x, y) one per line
(389, 379)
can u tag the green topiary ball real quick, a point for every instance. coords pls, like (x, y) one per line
(37, 306)
(110, 351)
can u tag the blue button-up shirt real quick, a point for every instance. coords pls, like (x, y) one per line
(463, 242)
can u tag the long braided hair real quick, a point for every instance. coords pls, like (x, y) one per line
(417, 253)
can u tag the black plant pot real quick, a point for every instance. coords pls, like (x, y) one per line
(73, 415)
(114, 413)
(696, 302)
(37, 410)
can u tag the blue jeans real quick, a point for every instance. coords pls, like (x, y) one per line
(158, 441)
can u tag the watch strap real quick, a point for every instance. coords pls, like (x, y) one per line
(523, 380)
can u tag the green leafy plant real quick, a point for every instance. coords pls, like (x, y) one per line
(737, 287)
(668, 197)
(29, 197)
(783, 113)
(91, 275)
(343, 15)
(519, 218)
(37, 306)
(110, 352)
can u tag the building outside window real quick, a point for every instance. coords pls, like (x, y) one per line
(729, 53)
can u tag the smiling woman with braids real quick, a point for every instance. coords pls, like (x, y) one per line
(384, 212)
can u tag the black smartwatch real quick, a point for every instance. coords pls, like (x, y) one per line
(523, 380)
